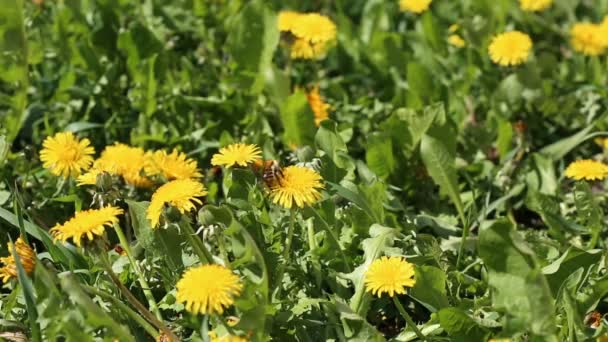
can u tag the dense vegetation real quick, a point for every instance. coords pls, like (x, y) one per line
(361, 170)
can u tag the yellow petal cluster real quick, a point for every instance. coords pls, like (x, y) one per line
(208, 289)
(312, 32)
(65, 155)
(590, 39)
(415, 6)
(510, 48)
(121, 160)
(535, 5)
(298, 185)
(236, 155)
(27, 257)
(183, 194)
(318, 106)
(587, 169)
(86, 223)
(389, 274)
(174, 165)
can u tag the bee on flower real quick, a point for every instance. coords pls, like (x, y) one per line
(312, 33)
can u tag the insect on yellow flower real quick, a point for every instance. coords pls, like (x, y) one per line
(298, 185)
(535, 5)
(86, 223)
(587, 169)
(236, 155)
(389, 274)
(171, 166)
(510, 48)
(183, 194)
(208, 289)
(415, 6)
(589, 39)
(64, 155)
(318, 106)
(27, 257)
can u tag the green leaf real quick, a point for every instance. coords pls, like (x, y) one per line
(140, 223)
(379, 154)
(14, 64)
(277, 85)
(298, 120)
(440, 164)
(560, 148)
(504, 139)
(430, 288)
(328, 140)
(588, 211)
(420, 82)
(254, 36)
(461, 327)
(558, 271)
(518, 287)
(30, 297)
(95, 314)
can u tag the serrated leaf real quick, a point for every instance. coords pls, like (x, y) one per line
(298, 120)
(430, 288)
(440, 164)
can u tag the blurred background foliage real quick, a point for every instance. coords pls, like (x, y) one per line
(410, 114)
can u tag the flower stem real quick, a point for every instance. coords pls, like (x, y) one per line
(408, 319)
(463, 241)
(198, 247)
(288, 241)
(125, 308)
(131, 299)
(142, 280)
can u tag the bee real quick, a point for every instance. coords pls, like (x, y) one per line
(270, 172)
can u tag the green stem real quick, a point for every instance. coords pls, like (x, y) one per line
(140, 275)
(198, 247)
(408, 319)
(136, 304)
(334, 238)
(465, 235)
(223, 250)
(288, 241)
(125, 308)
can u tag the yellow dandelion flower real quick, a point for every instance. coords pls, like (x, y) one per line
(456, 41)
(415, 6)
(314, 27)
(510, 48)
(453, 28)
(125, 161)
(86, 223)
(499, 340)
(64, 155)
(208, 289)
(587, 169)
(171, 166)
(602, 339)
(181, 193)
(389, 274)
(318, 106)
(27, 256)
(297, 184)
(589, 39)
(236, 154)
(287, 19)
(99, 166)
(535, 5)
